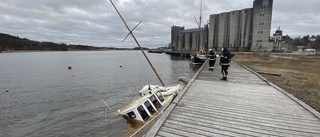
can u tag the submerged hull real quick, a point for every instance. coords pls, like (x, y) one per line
(143, 112)
(143, 128)
(197, 60)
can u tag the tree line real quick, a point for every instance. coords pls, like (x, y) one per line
(307, 41)
(9, 43)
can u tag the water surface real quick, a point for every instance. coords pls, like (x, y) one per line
(47, 99)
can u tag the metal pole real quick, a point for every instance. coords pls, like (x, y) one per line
(124, 22)
(200, 21)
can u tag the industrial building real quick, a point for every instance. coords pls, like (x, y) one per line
(239, 30)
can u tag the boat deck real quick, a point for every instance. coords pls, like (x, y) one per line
(245, 105)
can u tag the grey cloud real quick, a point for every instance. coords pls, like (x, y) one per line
(296, 17)
(96, 23)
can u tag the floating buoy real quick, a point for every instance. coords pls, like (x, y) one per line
(7, 90)
(69, 67)
(120, 66)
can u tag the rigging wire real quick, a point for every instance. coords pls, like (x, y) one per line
(129, 67)
(134, 27)
(129, 43)
(127, 12)
(124, 22)
(105, 110)
(176, 72)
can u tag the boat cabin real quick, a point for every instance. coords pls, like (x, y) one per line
(145, 107)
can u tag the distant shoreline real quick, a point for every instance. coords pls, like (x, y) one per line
(21, 51)
(104, 49)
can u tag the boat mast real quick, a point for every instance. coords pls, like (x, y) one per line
(130, 32)
(199, 40)
(199, 29)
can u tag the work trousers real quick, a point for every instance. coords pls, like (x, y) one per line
(211, 64)
(224, 70)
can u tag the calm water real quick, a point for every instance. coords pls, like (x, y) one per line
(47, 99)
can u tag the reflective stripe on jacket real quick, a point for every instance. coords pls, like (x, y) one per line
(225, 58)
(211, 56)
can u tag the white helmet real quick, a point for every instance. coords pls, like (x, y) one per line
(210, 49)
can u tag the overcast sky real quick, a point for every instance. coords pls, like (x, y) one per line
(95, 22)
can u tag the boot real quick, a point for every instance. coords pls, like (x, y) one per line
(224, 78)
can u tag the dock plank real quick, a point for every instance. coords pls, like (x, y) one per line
(245, 105)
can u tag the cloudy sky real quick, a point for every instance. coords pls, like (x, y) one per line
(95, 22)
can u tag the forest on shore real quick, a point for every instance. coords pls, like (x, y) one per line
(15, 43)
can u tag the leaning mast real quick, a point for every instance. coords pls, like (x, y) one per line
(130, 32)
(199, 29)
(200, 21)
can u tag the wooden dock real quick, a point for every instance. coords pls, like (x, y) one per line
(245, 105)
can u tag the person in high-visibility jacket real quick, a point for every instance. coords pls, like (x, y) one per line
(212, 59)
(225, 60)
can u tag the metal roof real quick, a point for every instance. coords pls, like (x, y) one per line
(190, 30)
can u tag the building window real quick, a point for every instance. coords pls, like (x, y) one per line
(261, 32)
(262, 23)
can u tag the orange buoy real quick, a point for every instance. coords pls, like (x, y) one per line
(69, 67)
